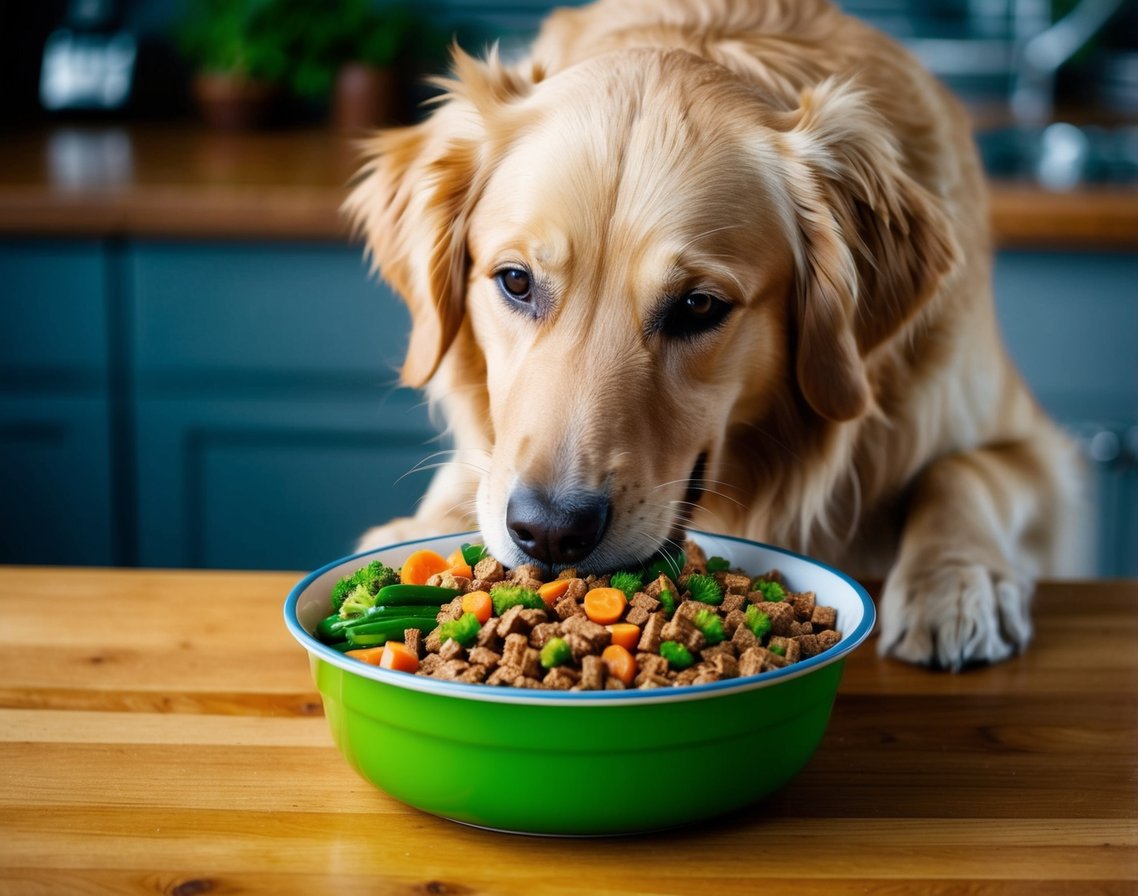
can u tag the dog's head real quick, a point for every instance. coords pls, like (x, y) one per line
(647, 252)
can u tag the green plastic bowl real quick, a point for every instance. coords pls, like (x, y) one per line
(548, 762)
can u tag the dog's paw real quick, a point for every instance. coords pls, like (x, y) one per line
(954, 616)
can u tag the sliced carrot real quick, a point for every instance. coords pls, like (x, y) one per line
(456, 557)
(625, 634)
(420, 566)
(620, 663)
(398, 657)
(370, 655)
(552, 592)
(478, 603)
(461, 568)
(605, 605)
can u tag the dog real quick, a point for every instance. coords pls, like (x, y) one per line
(728, 265)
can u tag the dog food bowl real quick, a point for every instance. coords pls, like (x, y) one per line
(581, 763)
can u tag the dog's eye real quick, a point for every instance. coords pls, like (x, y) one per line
(515, 283)
(695, 313)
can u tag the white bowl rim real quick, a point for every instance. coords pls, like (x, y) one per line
(470, 691)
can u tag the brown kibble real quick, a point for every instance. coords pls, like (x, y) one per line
(489, 570)
(824, 618)
(637, 615)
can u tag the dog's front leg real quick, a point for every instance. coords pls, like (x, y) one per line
(981, 526)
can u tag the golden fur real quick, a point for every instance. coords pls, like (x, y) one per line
(856, 403)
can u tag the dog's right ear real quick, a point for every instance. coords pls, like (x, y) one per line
(413, 197)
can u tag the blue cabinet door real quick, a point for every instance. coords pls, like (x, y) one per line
(270, 429)
(56, 414)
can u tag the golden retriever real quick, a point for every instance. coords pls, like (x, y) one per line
(725, 264)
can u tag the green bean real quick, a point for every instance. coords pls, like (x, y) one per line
(415, 595)
(369, 634)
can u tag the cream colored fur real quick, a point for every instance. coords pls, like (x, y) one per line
(856, 404)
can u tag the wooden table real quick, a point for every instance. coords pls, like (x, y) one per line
(159, 732)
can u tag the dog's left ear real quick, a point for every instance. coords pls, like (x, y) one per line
(414, 195)
(872, 245)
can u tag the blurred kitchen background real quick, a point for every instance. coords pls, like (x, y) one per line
(197, 369)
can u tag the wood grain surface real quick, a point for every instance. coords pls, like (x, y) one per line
(182, 180)
(160, 733)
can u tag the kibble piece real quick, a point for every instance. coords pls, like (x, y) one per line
(413, 640)
(484, 656)
(560, 678)
(593, 672)
(828, 638)
(725, 664)
(452, 650)
(736, 584)
(638, 615)
(751, 661)
(650, 637)
(803, 604)
(787, 648)
(645, 601)
(824, 618)
(489, 570)
(504, 675)
(568, 607)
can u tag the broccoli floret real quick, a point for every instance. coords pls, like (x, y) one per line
(463, 630)
(555, 652)
(358, 602)
(370, 578)
(708, 622)
(665, 562)
(757, 621)
(668, 601)
(718, 564)
(678, 656)
(505, 596)
(771, 591)
(628, 582)
(705, 589)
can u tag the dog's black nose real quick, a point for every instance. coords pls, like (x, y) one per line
(557, 532)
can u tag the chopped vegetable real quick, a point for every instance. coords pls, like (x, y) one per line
(708, 622)
(757, 621)
(555, 652)
(478, 603)
(463, 630)
(771, 591)
(421, 565)
(620, 663)
(778, 648)
(678, 656)
(473, 554)
(505, 596)
(667, 600)
(705, 589)
(625, 634)
(372, 577)
(605, 605)
(718, 564)
(628, 582)
(461, 569)
(667, 562)
(369, 633)
(552, 592)
(398, 657)
(369, 655)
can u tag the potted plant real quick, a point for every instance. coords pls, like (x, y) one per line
(240, 59)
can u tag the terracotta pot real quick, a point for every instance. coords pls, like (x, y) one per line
(364, 97)
(233, 103)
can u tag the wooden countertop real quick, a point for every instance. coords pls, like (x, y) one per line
(180, 180)
(159, 732)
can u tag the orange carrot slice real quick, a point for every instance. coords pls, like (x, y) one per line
(552, 592)
(370, 655)
(420, 566)
(625, 634)
(605, 605)
(398, 657)
(620, 663)
(478, 603)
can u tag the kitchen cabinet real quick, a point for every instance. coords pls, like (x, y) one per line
(200, 404)
(235, 404)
